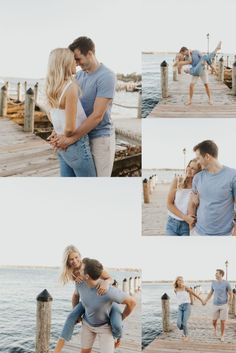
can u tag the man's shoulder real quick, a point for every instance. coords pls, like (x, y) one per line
(230, 171)
(199, 175)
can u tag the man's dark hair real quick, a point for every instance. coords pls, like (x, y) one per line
(183, 49)
(93, 268)
(84, 44)
(207, 146)
(221, 272)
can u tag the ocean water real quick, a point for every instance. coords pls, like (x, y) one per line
(152, 311)
(151, 78)
(19, 288)
(163, 176)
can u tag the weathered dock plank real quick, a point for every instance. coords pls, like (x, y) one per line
(224, 103)
(131, 342)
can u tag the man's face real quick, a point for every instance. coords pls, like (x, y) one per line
(202, 160)
(218, 275)
(84, 61)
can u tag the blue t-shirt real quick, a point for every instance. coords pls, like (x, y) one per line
(100, 83)
(221, 290)
(217, 192)
(98, 307)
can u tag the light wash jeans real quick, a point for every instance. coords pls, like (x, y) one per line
(78, 311)
(77, 160)
(176, 227)
(198, 69)
(184, 311)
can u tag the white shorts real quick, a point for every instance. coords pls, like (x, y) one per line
(220, 312)
(203, 77)
(89, 334)
(103, 152)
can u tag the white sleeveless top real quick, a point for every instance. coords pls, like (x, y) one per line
(58, 115)
(182, 197)
(182, 297)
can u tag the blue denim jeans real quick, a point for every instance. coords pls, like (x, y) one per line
(115, 321)
(184, 312)
(198, 69)
(176, 227)
(77, 160)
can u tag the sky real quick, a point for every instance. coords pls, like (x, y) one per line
(165, 139)
(168, 25)
(41, 216)
(29, 30)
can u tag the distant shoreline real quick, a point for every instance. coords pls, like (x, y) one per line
(186, 280)
(58, 267)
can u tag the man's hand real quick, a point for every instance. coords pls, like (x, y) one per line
(61, 142)
(52, 136)
(234, 230)
(102, 287)
(190, 219)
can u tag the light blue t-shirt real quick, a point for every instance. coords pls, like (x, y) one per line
(217, 192)
(98, 307)
(221, 290)
(100, 83)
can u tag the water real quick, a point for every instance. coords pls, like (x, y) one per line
(151, 78)
(152, 311)
(163, 176)
(18, 291)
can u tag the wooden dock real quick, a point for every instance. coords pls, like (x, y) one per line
(131, 342)
(224, 103)
(201, 337)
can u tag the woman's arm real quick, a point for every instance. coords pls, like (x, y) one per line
(75, 299)
(190, 291)
(106, 280)
(71, 99)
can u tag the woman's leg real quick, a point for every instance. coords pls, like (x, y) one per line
(184, 228)
(180, 317)
(205, 59)
(116, 321)
(71, 320)
(186, 314)
(65, 169)
(171, 226)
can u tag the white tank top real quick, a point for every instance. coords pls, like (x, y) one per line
(182, 197)
(182, 297)
(58, 115)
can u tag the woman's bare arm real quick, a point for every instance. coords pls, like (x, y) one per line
(71, 99)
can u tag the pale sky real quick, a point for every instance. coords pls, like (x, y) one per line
(170, 24)
(29, 30)
(165, 139)
(41, 216)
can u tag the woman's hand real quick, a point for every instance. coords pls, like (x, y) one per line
(191, 220)
(102, 287)
(79, 279)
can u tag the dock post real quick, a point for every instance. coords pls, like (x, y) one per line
(227, 61)
(25, 86)
(43, 323)
(175, 73)
(125, 285)
(135, 284)
(139, 105)
(18, 92)
(164, 79)
(131, 286)
(234, 78)
(29, 111)
(221, 70)
(146, 193)
(150, 185)
(36, 86)
(234, 302)
(3, 101)
(165, 312)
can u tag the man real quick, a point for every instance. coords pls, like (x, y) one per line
(215, 187)
(97, 308)
(223, 296)
(198, 68)
(97, 83)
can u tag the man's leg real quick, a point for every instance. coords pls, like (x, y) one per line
(215, 326)
(208, 92)
(103, 151)
(106, 339)
(191, 90)
(222, 329)
(88, 336)
(216, 316)
(223, 318)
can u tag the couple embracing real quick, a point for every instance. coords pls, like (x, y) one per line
(79, 107)
(203, 201)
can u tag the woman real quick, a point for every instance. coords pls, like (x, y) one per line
(67, 114)
(183, 294)
(178, 199)
(72, 262)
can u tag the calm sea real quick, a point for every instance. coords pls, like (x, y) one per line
(163, 176)
(18, 291)
(151, 80)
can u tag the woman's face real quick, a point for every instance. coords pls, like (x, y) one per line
(180, 282)
(73, 68)
(74, 260)
(192, 169)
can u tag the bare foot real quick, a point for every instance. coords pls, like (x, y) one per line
(215, 333)
(188, 103)
(117, 343)
(210, 102)
(222, 339)
(185, 338)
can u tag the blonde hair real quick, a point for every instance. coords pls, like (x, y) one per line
(60, 64)
(67, 271)
(182, 182)
(176, 280)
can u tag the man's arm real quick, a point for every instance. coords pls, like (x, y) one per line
(75, 298)
(130, 303)
(234, 227)
(230, 297)
(208, 297)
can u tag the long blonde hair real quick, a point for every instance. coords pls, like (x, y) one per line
(176, 281)
(67, 271)
(60, 65)
(182, 182)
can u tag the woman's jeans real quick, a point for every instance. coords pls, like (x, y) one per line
(77, 160)
(78, 311)
(176, 227)
(184, 311)
(198, 69)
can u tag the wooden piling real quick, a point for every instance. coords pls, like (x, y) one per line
(221, 70)
(234, 78)
(3, 101)
(165, 300)
(25, 86)
(139, 105)
(164, 79)
(146, 193)
(175, 73)
(36, 92)
(131, 286)
(43, 324)
(18, 92)
(29, 111)
(234, 302)
(135, 284)
(125, 286)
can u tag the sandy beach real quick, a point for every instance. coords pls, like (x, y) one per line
(154, 214)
